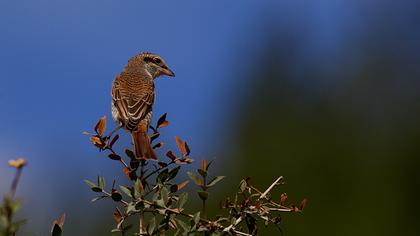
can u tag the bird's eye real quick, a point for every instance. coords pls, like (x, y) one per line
(157, 60)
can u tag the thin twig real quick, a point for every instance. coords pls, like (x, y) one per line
(15, 182)
(232, 226)
(141, 217)
(241, 233)
(271, 187)
(280, 209)
(279, 206)
(159, 169)
(109, 195)
(141, 223)
(262, 196)
(113, 152)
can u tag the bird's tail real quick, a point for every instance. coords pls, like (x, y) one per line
(142, 146)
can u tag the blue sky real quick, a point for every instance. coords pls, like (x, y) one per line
(57, 62)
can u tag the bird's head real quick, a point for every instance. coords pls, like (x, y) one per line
(153, 64)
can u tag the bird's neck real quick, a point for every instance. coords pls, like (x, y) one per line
(139, 69)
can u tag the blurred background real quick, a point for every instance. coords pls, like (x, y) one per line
(325, 93)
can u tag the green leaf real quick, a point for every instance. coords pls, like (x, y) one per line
(101, 182)
(208, 165)
(151, 226)
(20, 222)
(158, 145)
(116, 137)
(160, 202)
(196, 217)
(114, 156)
(182, 225)
(130, 154)
(90, 184)
(131, 207)
(182, 199)
(203, 195)
(216, 234)
(164, 194)
(172, 174)
(97, 190)
(154, 136)
(163, 176)
(243, 185)
(138, 187)
(126, 190)
(195, 178)
(126, 228)
(215, 180)
(98, 198)
(155, 196)
(140, 206)
(195, 220)
(93, 186)
(56, 230)
(203, 173)
(116, 196)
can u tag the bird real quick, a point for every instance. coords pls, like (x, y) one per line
(133, 95)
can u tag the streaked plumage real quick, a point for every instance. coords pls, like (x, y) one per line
(133, 95)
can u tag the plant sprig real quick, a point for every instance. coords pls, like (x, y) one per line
(159, 202)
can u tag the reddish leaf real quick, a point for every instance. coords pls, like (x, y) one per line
(54, 222)
(172, 224)
(154, 136)
(161, 121)
(131, 174)
(187, 149)
(164, 124)
(62, 220)
(183, 184)
(100, 126)
(171, 155)
(294, 208)
(97, 142)
(203, 165)
(87, 133)
(283, 198)
(117, 215)
(302, 204)
(181, 145)
(162, 164)
(158, 145)
(184, 161)
(139, 186)
(196, 178)
(116, 137)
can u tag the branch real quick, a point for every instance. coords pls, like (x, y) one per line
(262, 196)
(270, 188)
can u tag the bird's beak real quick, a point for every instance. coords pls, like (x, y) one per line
(168, 72)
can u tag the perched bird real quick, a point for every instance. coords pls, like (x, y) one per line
(133, 94)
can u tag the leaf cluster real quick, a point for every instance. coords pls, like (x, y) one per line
(8, 209)
(157, 198)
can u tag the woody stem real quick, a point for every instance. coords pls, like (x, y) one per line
(141, 217)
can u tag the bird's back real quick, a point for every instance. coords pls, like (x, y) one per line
(133, 95)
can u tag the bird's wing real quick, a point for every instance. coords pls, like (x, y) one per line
(132, 106)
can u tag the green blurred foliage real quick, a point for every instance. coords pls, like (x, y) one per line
(346, 139)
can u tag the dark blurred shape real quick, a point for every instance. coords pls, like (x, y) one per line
(345, 135)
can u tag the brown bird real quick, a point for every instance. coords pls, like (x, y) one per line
(133, 94)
